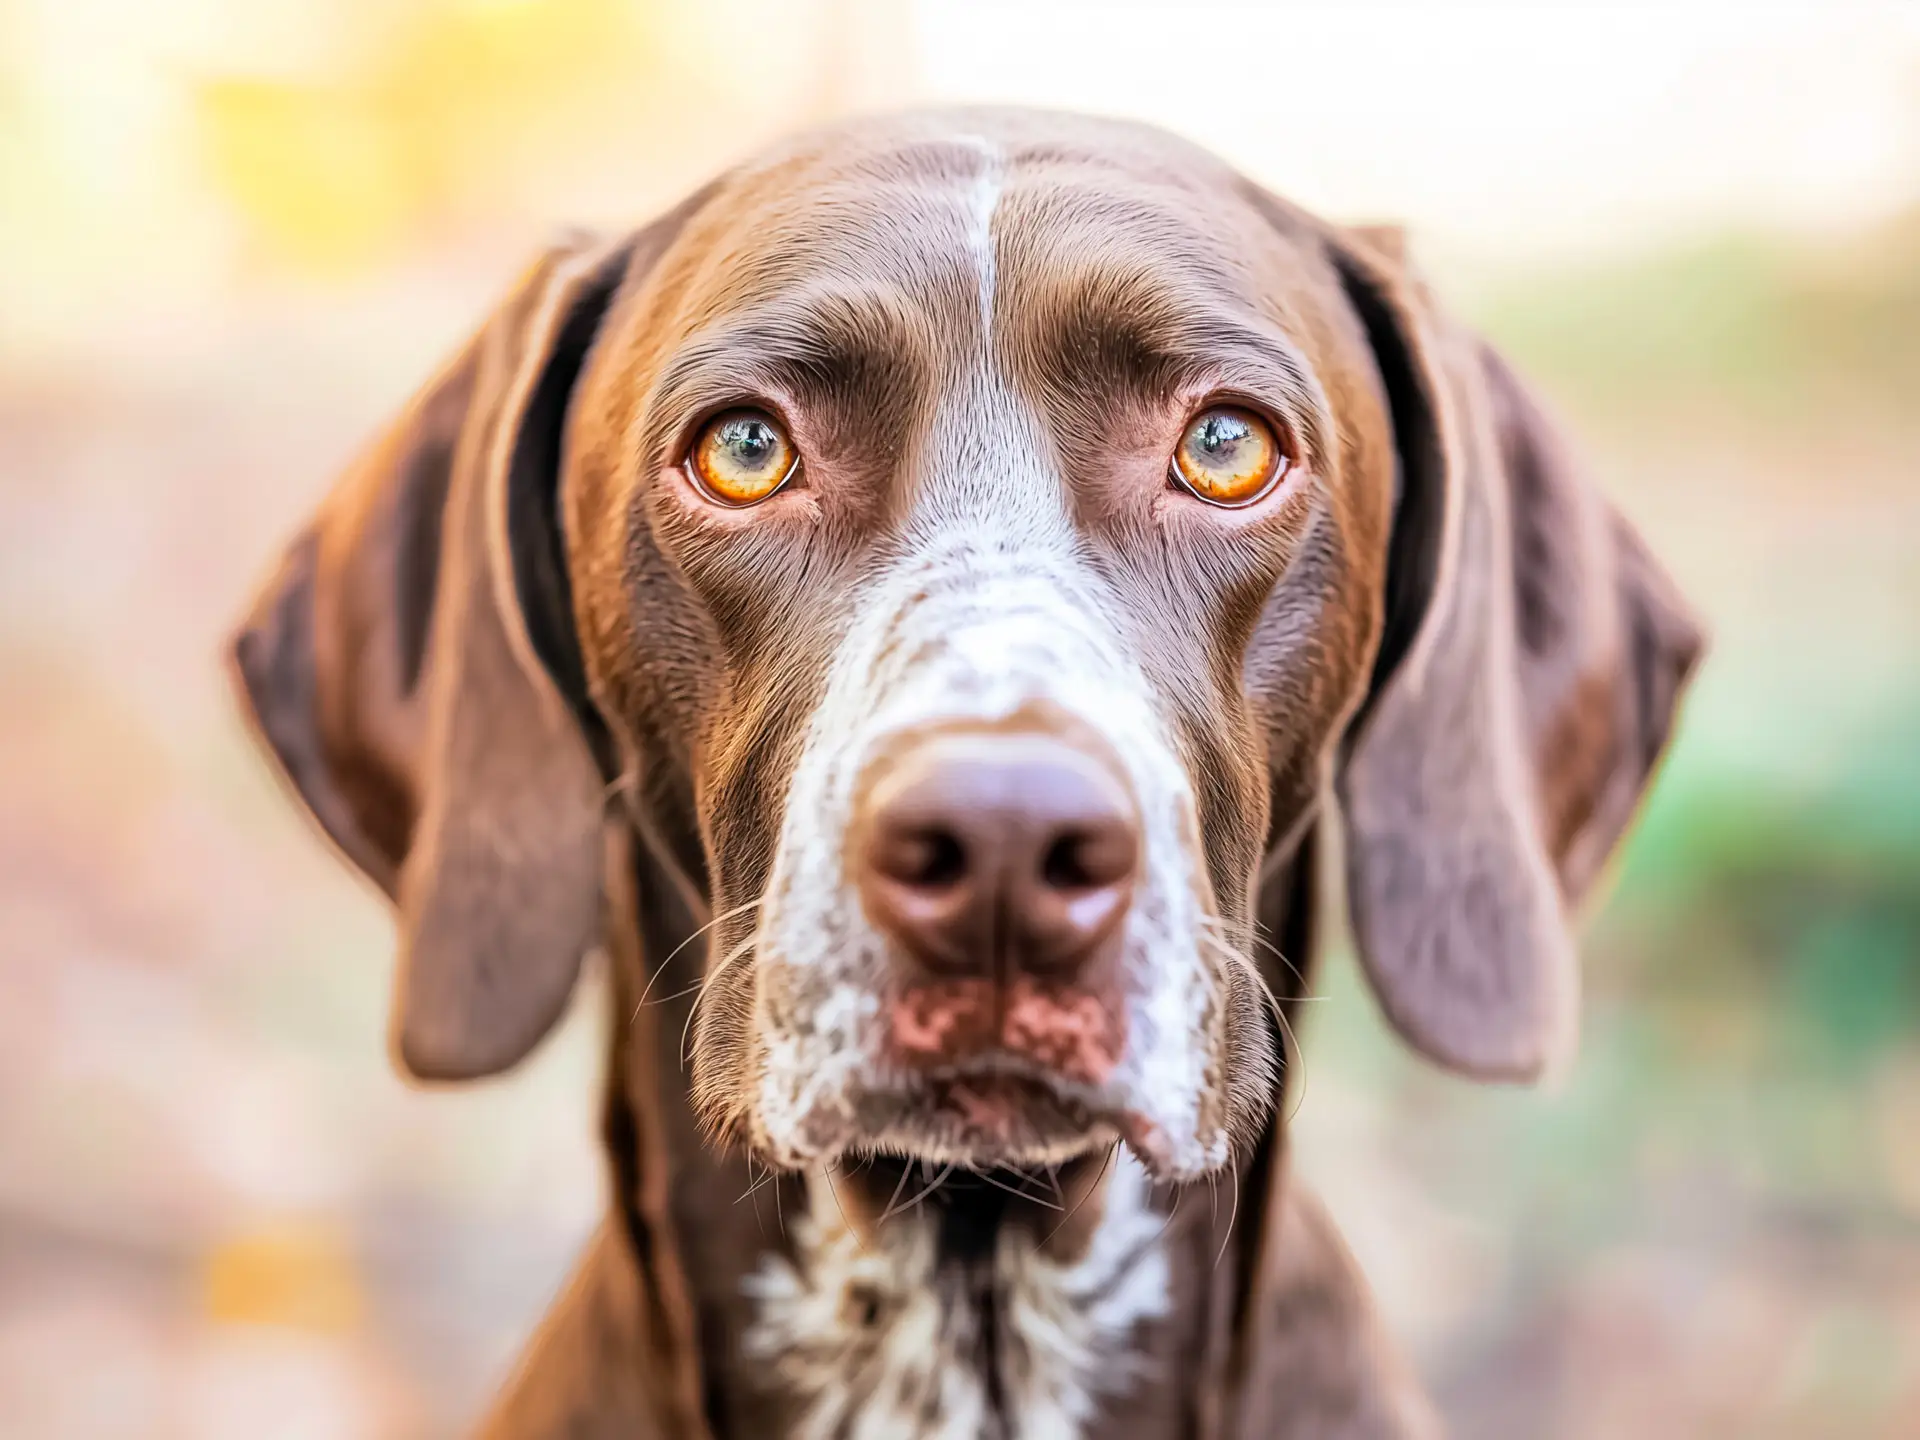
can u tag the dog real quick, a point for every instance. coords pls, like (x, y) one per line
(936, 609)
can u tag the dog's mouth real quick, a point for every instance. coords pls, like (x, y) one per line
(997, 1109)
(1053, 1200)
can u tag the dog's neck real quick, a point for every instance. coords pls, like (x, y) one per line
(961, 1316)
(723, 1302)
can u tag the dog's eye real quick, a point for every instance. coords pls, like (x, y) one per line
(1229, 456)
(742, 457)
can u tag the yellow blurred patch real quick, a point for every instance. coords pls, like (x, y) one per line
(439, 113)
(312, 167)
(298, 1276)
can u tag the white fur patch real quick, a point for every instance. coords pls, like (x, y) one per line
(879, 1343)
(985, 199)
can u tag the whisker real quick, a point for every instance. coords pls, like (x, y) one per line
(1254, 934)
(1179, 1194)
(1015, 1190)
(1252, 972)
(661, 968)
(679, 994)
(1232, 1215)
(1111, 1150)
(826, 1173)
(1033, 1175)
(938, 1181)
(890, 1211)
(706, 986)
(754, 1187)
(1289, 1041)
(905, 1170)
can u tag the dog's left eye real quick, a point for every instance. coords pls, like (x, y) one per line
(742, 457)
(1229, 456)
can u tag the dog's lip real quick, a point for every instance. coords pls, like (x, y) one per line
(1000, 1100)
(893, 1154)
(991, 1109)
(1047, 1118)
(1000, 1075)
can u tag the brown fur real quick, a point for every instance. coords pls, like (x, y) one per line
(548, 701)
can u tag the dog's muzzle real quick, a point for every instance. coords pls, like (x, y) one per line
(984, 939)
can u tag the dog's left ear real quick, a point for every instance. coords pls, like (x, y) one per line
(413, 666)
(1532, 659)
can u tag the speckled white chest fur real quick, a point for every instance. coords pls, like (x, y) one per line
(880, 1341)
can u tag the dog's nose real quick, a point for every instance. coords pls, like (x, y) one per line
(990, 852)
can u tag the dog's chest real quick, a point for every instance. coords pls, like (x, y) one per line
(897, 1338)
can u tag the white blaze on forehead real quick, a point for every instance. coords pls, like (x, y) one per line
(987, 455)
(983, 200)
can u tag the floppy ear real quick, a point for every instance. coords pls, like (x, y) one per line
(1533, 656)
(413, 666)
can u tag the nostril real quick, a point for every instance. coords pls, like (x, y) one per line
(1089, 859)
(1078, 894)
(1065, 864)
(930, 859)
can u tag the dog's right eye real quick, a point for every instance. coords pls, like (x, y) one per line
(742, 457)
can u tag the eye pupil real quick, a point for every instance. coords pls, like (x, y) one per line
(1222, 434)
(750, 440)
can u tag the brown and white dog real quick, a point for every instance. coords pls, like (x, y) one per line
(954, 568)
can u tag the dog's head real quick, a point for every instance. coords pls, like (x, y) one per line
(968, 548)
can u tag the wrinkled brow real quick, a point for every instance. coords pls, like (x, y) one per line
(1113, 332)
(821, 341)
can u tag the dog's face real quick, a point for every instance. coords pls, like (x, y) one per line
(969, 547)
(1012, 507)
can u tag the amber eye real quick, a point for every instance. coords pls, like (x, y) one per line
(1229, 456)
(742, 456)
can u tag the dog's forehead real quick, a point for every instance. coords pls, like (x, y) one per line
(917, 204)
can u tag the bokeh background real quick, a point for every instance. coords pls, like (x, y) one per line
(234, 234)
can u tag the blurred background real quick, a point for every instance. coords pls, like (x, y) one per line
(235, 234)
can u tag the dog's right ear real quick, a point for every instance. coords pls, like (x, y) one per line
(413, 666)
